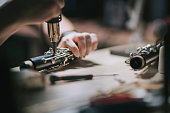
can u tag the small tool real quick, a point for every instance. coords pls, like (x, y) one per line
(54, 78)
(54, 31)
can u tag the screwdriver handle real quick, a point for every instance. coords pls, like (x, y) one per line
(54, 78)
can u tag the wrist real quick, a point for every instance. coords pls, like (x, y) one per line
(67, 33)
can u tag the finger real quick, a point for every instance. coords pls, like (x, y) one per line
(56, 7)
(94, 41)
(61, 3)
(80, 40)
(88, 43)
(53, 8)
(95, 46)
(62, 43)
(71, 45)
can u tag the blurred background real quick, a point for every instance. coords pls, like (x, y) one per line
(116, 22)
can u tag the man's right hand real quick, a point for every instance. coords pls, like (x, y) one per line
(36, 11)
(17, 13)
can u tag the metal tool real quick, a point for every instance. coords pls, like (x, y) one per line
(54, 32)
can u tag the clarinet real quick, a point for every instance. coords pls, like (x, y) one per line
(144, 56)
(49, 62)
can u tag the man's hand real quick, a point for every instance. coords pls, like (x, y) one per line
(17, 13)
(37, 11)
(81, 44)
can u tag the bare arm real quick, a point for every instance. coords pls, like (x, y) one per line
(66, 25)
(9, 22)
(18, 13)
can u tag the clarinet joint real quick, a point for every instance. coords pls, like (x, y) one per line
(144, 56)
(49, 62)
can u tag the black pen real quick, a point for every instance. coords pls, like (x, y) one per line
(54, 78)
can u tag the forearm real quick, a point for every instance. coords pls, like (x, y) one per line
(66, 25)
(7, 30)
(18, 13)
(10, 22)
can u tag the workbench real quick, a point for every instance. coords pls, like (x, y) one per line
(110, 72)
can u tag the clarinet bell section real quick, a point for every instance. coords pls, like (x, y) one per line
(49, 62)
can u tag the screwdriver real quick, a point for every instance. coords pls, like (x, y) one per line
(54, 78)
(54, 31)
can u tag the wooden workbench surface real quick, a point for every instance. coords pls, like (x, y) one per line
(62, 95)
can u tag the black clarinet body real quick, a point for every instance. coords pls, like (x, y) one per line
(49, 62)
